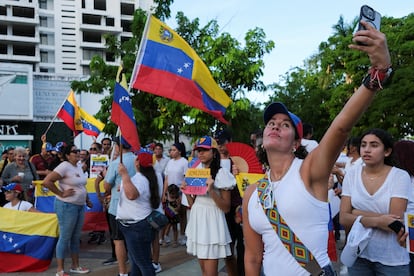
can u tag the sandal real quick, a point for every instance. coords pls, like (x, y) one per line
(175, 244)
(61, 273)
(79, 270)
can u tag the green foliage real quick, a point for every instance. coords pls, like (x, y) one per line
(318, 91)
(315, 91)
(235, 67)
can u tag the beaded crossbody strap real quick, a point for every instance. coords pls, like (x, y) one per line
(291, 242)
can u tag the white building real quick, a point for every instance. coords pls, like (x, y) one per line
(45, 44)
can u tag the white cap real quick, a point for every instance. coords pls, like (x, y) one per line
(358, 239)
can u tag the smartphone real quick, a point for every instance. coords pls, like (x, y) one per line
(396, 226)
(369, 15)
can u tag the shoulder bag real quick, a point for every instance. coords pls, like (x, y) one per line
(291, 242)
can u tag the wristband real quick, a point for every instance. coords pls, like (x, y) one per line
(377, 78)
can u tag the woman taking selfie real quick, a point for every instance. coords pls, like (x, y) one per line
(294, 193)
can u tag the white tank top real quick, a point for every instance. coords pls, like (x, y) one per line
(307, 216)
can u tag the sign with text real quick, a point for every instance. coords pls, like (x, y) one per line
(99, 163)
(196, 181)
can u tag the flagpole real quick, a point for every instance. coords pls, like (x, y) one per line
(138, 59)
(54, 118)
(120, 147)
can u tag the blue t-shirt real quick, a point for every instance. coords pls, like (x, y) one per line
(112, 177)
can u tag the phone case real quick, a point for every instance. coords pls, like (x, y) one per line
(396, 226)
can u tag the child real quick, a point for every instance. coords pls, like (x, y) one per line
(207, 233)
(171, 208)
(14, 194)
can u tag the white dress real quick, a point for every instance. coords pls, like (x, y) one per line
(207, 234)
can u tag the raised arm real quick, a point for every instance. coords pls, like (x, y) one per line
(317, 166)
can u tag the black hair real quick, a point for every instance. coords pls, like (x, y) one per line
(106, 139)
(66, 149)
(215, 163)
(222, 136)
(149, 173)
(307, 129)
(159, 145)
(353, 142)
(386, 139)
(173, 190)
(181, 148)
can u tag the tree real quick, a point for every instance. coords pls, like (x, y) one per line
(236, 68)
(318, 90)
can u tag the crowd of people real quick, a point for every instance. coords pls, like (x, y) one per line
(258, 234)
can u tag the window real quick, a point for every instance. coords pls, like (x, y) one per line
(44, 57)
(43, 39)
(91, 37)
(43, 21)
(99, 5)
(110, 22)
(43, 4)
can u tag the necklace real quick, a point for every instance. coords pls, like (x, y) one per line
(277, 177)
(372, 178)
(369, 177)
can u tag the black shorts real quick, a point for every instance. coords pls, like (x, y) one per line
(116, 233)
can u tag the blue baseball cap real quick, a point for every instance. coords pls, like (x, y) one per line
(278, 107)
(13, 187)
(48, 146)
(205, 142)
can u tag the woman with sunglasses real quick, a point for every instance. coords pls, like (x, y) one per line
(71, 196)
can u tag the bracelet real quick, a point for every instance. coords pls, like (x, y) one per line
(377, 78)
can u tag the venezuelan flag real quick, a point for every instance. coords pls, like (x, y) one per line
(28, 240)
(95, 219)
(331, 238)
(91, 126)
(69, 113)
(168, 67)
(122, 114)
(243, 180)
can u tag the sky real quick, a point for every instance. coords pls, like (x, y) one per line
(297, 27)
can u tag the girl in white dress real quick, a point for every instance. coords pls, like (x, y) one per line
(208, 237)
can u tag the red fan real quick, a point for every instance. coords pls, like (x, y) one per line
(244, 157)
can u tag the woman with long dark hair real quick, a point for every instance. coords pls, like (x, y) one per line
(377, 195)
(138, 197)
(208, 237)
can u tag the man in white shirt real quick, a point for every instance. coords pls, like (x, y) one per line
(160, 161)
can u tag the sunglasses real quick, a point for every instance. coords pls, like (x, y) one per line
(93, 149)
(75, 151)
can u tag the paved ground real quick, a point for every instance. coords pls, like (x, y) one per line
(174, 261)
